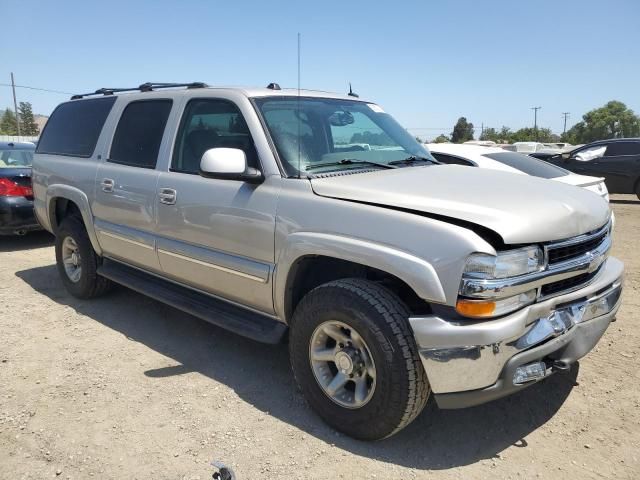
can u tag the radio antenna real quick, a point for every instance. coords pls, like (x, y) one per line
(298, 105)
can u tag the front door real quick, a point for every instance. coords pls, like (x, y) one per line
(126, 184)
(620, 166)
(217, 235)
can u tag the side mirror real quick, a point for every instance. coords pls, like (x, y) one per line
(566, 156)
(229, 164)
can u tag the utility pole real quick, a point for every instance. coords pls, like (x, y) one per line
(535, 120)
(15, 103)
(565, 115)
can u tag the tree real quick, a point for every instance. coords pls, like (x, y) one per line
(613, 120)
(529, 134)
(489, 134)
(441, 139)
(8, 125)
(462, 131)
(28, 126)
(372, 138)
(418, 139)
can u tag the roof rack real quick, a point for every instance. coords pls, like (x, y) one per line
(145, 87)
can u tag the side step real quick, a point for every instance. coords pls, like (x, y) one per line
(223, 314)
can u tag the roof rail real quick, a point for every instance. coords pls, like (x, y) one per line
(145, 87)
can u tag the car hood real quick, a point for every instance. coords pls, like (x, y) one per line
(520, 208)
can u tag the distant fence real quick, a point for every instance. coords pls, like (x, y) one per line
(16, 138)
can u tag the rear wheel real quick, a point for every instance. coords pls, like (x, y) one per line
(77, 261)
(354, 357)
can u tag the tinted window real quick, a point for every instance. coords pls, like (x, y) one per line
(74, 127)
(529, 165)
(451, 160)
(210, 123)
(139, 133)
(623, 148)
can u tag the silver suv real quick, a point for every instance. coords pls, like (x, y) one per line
(276, 213)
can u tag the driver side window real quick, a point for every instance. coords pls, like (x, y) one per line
(592, 153)
(210, 123)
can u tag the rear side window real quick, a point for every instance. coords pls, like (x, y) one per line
(529, 165)
(74, 127)
(616, 149)
(139, 133)
(451, 160)
(16, 158)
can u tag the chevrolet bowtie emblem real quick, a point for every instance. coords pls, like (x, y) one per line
(595, 260)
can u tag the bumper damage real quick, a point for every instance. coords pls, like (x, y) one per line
(475, 362)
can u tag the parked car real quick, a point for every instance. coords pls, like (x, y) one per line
(529, 147)
(16, 195)
(617, 160)
(498, 159)
(394, 277)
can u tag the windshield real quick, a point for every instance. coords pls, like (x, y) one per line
(308, 132)
(11, 158)
(529, 165)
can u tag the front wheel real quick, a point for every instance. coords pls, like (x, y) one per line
(354, 357)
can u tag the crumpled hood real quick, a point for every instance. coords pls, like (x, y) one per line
(520, 208)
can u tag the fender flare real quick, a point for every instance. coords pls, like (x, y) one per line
(414, 271)
(78, 197)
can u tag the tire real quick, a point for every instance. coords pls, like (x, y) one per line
(400, 389)
(83, 282)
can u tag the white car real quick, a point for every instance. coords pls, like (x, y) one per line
(500, 159)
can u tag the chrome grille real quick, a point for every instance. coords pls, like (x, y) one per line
(575, 247)
(567, 285)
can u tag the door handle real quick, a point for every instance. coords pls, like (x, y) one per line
(168, 196)
(107, 185)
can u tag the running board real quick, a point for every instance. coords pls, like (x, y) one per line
(223, 314)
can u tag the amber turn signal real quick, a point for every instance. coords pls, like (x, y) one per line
(475, 308)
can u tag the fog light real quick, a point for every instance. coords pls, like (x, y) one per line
(529, 372)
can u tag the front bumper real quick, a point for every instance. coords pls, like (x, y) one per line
(17, 215)
(472, 362)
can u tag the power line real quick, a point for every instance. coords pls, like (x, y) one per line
(535, 120)
(36, 88)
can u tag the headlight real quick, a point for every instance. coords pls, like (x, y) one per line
(506, 264)
(511, 263)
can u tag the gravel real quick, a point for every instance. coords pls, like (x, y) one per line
(125, 387)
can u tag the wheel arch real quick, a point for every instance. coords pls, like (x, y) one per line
(309, 260)
(64, 200)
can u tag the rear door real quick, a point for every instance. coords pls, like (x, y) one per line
(126, 182)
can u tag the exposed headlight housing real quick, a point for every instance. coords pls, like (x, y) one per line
(510, 263)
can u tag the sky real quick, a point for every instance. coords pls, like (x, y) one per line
(425, 62)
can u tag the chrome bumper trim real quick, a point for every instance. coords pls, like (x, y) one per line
(460, 356)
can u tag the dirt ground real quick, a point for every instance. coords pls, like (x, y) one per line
(125, 387)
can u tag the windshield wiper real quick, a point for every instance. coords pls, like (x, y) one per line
(413, 159)
(347, 161)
